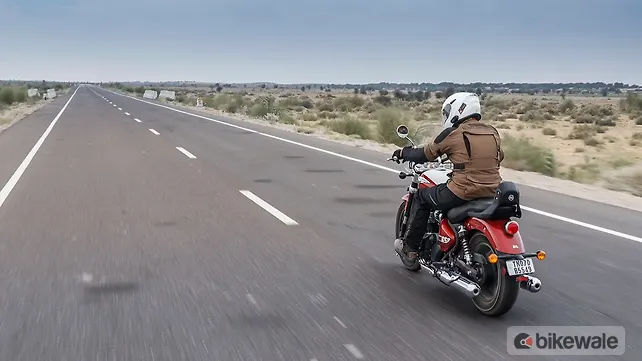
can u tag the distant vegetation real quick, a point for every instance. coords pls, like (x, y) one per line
(572, 131)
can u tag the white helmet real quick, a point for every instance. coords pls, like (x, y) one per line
(459, 107)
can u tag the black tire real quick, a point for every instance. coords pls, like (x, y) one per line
(413, 266)
(498, 291)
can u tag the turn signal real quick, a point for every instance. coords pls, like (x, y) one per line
(541, 255)
(492, 258)
(511, 227)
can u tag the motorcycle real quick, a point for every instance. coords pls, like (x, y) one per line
(476, 247)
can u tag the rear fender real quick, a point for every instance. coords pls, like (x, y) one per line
(494, 231)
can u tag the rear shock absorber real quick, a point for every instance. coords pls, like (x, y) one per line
(461, 233)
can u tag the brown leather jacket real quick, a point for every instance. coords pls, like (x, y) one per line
(475, 151)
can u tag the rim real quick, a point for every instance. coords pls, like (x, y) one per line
(489, 279)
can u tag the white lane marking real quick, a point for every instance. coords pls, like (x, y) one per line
(268, 208)
(153, 131)
(115, 105)
(120, 108)
(543, 213)
(4, 193)
(586, 225)
(340, 322)
(354, 351)
(188, 154)
(127, 113)
(138, 120)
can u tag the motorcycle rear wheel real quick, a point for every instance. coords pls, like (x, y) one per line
(499, 291)
(413, 266)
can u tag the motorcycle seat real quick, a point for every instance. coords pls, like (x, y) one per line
(459, 214)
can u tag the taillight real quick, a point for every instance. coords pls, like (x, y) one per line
(511, 228)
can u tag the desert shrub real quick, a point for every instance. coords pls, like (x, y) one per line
(347, 104)
(310, 117)
(586, 119)
(523, 155)
(607, 121)
(535, 116)
(583, 131)
(351, 126)
(327, 115)
(325, 106)
(632, 103)
(566, 106)
(591, 142)
(7, 96)
(286, 118)
(549, 131)
(388, 119)
(383, 100)
(522, 109)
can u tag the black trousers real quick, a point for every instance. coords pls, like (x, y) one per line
(425, 201)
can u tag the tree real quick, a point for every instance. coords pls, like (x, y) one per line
(303, 88)
(262, 86)
(439, 95)
(219, 88)
(383, 92)
(356, 90)
(478, 91)
(449, 91)
(363, 91)
(605, 92)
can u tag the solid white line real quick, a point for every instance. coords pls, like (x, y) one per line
(583, 224)
(267, 207)
(184, 151)
(4, 193)
(127, 113)
(354, 351)
(543, 213)
(340, 322)
(138, 120)
(155, 132)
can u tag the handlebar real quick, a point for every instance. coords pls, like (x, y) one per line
(418, 168)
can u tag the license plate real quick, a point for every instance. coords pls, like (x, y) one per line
(520, 267)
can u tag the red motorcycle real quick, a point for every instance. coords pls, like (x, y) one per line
(476, 247)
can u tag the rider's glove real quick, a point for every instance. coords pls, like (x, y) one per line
(398, 154)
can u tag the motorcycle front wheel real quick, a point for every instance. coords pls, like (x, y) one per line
(413, 266)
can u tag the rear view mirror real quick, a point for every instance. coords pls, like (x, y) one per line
(402, 131)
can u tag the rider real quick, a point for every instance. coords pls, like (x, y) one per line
(473, 147)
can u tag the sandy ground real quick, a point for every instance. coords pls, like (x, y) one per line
(15, 113)
(579, 190)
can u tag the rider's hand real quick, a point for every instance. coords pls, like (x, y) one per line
(398, 154)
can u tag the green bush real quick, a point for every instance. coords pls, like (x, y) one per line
(521, 154)
(388, 119)
(351, 126)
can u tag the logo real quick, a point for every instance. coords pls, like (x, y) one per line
(566, 340)
(462, 107)
(523, 341)
(443, 239)
(511, 197)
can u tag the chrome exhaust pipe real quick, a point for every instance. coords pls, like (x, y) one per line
(465, 286)
(533, 284)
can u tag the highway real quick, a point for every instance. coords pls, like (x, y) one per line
(136, 232)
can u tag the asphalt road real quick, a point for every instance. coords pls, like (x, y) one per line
(116, 245)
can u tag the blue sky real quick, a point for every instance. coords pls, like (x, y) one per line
(338, 41)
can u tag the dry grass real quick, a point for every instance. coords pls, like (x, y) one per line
(577, 138)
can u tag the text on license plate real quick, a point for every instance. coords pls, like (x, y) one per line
(520, 267)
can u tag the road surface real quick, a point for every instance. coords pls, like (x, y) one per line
(136, 232)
